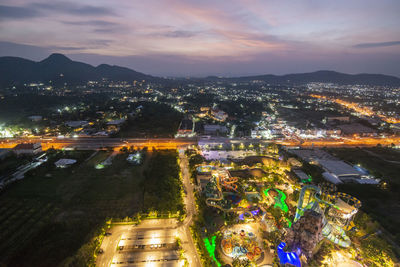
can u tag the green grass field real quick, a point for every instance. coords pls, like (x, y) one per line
(46, 217)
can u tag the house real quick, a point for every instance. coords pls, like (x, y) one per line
(28, 149)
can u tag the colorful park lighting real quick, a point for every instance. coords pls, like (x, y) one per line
(211, 247)
(287, 257)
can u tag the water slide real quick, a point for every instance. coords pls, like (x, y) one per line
(212, 202)
(226, 182)
(230, 183)
(330, 231)
(335, 234)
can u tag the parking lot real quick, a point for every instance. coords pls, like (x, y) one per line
(152, 243)
(146, 258)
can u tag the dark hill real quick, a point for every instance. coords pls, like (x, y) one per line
(322, 76)
(59, 69)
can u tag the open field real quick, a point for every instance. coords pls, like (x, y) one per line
(156, 120)
(53, 212)
(382, 203)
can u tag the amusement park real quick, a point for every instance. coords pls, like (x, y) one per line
(257, 212)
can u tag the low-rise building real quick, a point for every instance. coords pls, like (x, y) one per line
(4, 152)
(28, 149)
(338, 118)
(219, 115)
(76, 124)
(356, 129)
(224, 155)
(215, 129)
(35, 118)
(260, 133)
(186, 128)
(64, 163)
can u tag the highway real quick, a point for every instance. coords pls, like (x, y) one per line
(172, 143)
(99, 142)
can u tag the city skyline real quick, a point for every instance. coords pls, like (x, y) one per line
(190, 38)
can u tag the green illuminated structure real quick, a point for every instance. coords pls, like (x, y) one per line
(211, 248)
(279, 200)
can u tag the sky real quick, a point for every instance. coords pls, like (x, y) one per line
(208, 37)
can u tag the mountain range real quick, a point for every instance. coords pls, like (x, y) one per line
(324, 76)
(59, 69)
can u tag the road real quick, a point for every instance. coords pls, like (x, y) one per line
(99, 142)
(174, 143)
(190, 204)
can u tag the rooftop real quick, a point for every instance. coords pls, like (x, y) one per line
(339, 168)
(27, 146)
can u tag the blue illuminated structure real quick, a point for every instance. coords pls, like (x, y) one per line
(253, 213)
(287, 257)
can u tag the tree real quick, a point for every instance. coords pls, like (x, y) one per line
(241, 263)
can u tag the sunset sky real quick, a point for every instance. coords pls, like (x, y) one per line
(198, 38)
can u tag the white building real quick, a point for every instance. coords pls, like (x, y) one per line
(224, 155)
(64, 163)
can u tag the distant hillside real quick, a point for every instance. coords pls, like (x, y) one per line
(59, 69)
(321, 76)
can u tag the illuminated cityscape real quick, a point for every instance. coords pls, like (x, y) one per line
(185, 133)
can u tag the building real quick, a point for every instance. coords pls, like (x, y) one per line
(219, 115)
(64, 163)
(395, 127)
(339, 168)
(213, 129)
(35, 118)
(76, 124)
(28, 149)
(114, 126)
(338, 118)
(336, 171)
(116, 122)
(303, 177)
(186, 128)
(4, 152)
(225, 155)
(260, 133)
(356, 129)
